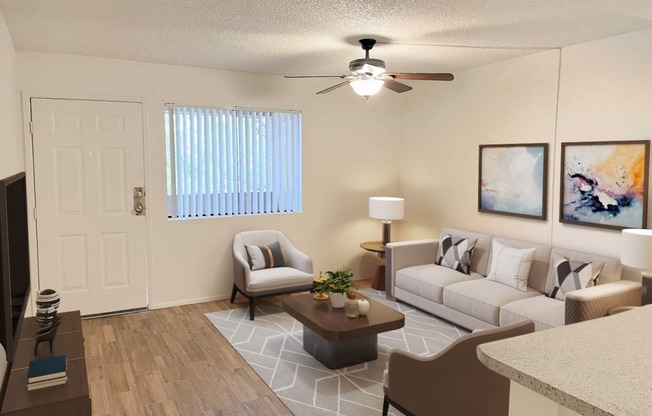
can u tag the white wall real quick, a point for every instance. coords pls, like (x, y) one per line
(508, 102)
(605, 93)
(350, 152)
(422, 145)
(11, 137)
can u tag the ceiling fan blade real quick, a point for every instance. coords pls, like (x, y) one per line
(315, 76)
(396, 86)
(420, 76)
(334, 87)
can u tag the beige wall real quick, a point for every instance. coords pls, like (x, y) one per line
(350, 149)
(604, 94)
(11, 137)
(507, 102)
(422, 145)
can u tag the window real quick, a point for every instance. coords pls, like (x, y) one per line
(226, 161)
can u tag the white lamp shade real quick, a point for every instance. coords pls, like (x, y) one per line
(636, 249)
(367, 87)
(386, 208)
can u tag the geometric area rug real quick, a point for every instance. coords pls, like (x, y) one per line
(272, 346)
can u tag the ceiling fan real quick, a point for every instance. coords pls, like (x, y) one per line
(368, 75)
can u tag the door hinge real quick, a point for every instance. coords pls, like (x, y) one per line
(31, 127)
(35, 216)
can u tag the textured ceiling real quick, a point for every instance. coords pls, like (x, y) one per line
(294, 37)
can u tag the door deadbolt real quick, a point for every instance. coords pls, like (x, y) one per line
(139, 200)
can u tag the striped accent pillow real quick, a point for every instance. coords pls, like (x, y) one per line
(265, 256)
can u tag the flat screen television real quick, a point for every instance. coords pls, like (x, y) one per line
(14, 260)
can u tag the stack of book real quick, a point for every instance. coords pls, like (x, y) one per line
(46, 372)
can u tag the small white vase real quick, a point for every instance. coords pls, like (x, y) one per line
(363, 306)
(337, 300)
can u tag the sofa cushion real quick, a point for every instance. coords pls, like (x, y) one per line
(429, 280)
(480, 258)
(611, 268)
(455, 253)
(482, 298)
(265, 280)
(510, 266)
(265, 256)
(545, 312)
(539, 269)
(571, 275)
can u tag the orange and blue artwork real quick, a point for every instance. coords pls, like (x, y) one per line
(604, 184)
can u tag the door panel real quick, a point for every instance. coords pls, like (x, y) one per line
(88, 157)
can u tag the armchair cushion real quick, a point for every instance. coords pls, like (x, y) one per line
(265, 256)
(277, 279)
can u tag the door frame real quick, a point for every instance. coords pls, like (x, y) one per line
(27, 96)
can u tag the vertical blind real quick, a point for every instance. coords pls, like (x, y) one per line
(224, 161)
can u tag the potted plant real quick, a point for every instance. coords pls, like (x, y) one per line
(338, 284)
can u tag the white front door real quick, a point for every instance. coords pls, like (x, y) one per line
(88, 157)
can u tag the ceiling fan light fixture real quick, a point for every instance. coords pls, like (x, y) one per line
(367, 87)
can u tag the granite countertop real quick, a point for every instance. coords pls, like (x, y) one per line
(597, 367)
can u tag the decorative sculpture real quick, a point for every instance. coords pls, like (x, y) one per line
(47, 303)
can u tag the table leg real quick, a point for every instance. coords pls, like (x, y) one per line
(339, 354)
(379, 278)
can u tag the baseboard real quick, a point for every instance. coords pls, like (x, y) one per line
(163, 305)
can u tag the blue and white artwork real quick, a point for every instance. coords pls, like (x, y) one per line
(513, 180)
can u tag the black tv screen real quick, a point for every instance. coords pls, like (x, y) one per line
(14, 260)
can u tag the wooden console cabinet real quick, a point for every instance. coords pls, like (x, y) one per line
(70, 399)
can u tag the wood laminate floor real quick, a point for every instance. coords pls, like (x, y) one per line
(173, 362)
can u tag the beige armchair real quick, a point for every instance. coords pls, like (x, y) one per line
(453, 382)
(296, 276)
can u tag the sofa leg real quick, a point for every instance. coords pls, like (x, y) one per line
(252, 307)
(385, 405)
(234, 292)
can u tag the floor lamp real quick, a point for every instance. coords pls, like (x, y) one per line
(636, 252)
(386, 209)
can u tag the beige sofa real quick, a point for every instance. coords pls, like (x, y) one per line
(474, 302)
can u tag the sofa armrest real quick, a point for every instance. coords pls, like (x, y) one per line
(405, 254)
(594, 302)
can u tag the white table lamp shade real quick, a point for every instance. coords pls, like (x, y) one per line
(636, 249)
(386, 208)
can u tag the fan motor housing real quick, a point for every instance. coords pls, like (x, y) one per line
(356, 65)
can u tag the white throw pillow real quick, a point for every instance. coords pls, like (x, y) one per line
(511, 266)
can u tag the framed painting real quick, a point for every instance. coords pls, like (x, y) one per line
(604, 184)
(512, 179)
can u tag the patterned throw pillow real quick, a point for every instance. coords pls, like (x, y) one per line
(265, 256)
(455, 253)
(511, 266)
(572, 275)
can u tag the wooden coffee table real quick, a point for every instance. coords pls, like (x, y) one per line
(335, 340)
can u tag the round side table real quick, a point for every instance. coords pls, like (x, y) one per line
(379, 277)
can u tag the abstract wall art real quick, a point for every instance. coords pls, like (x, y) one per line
(513, 179)
(604, 184)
